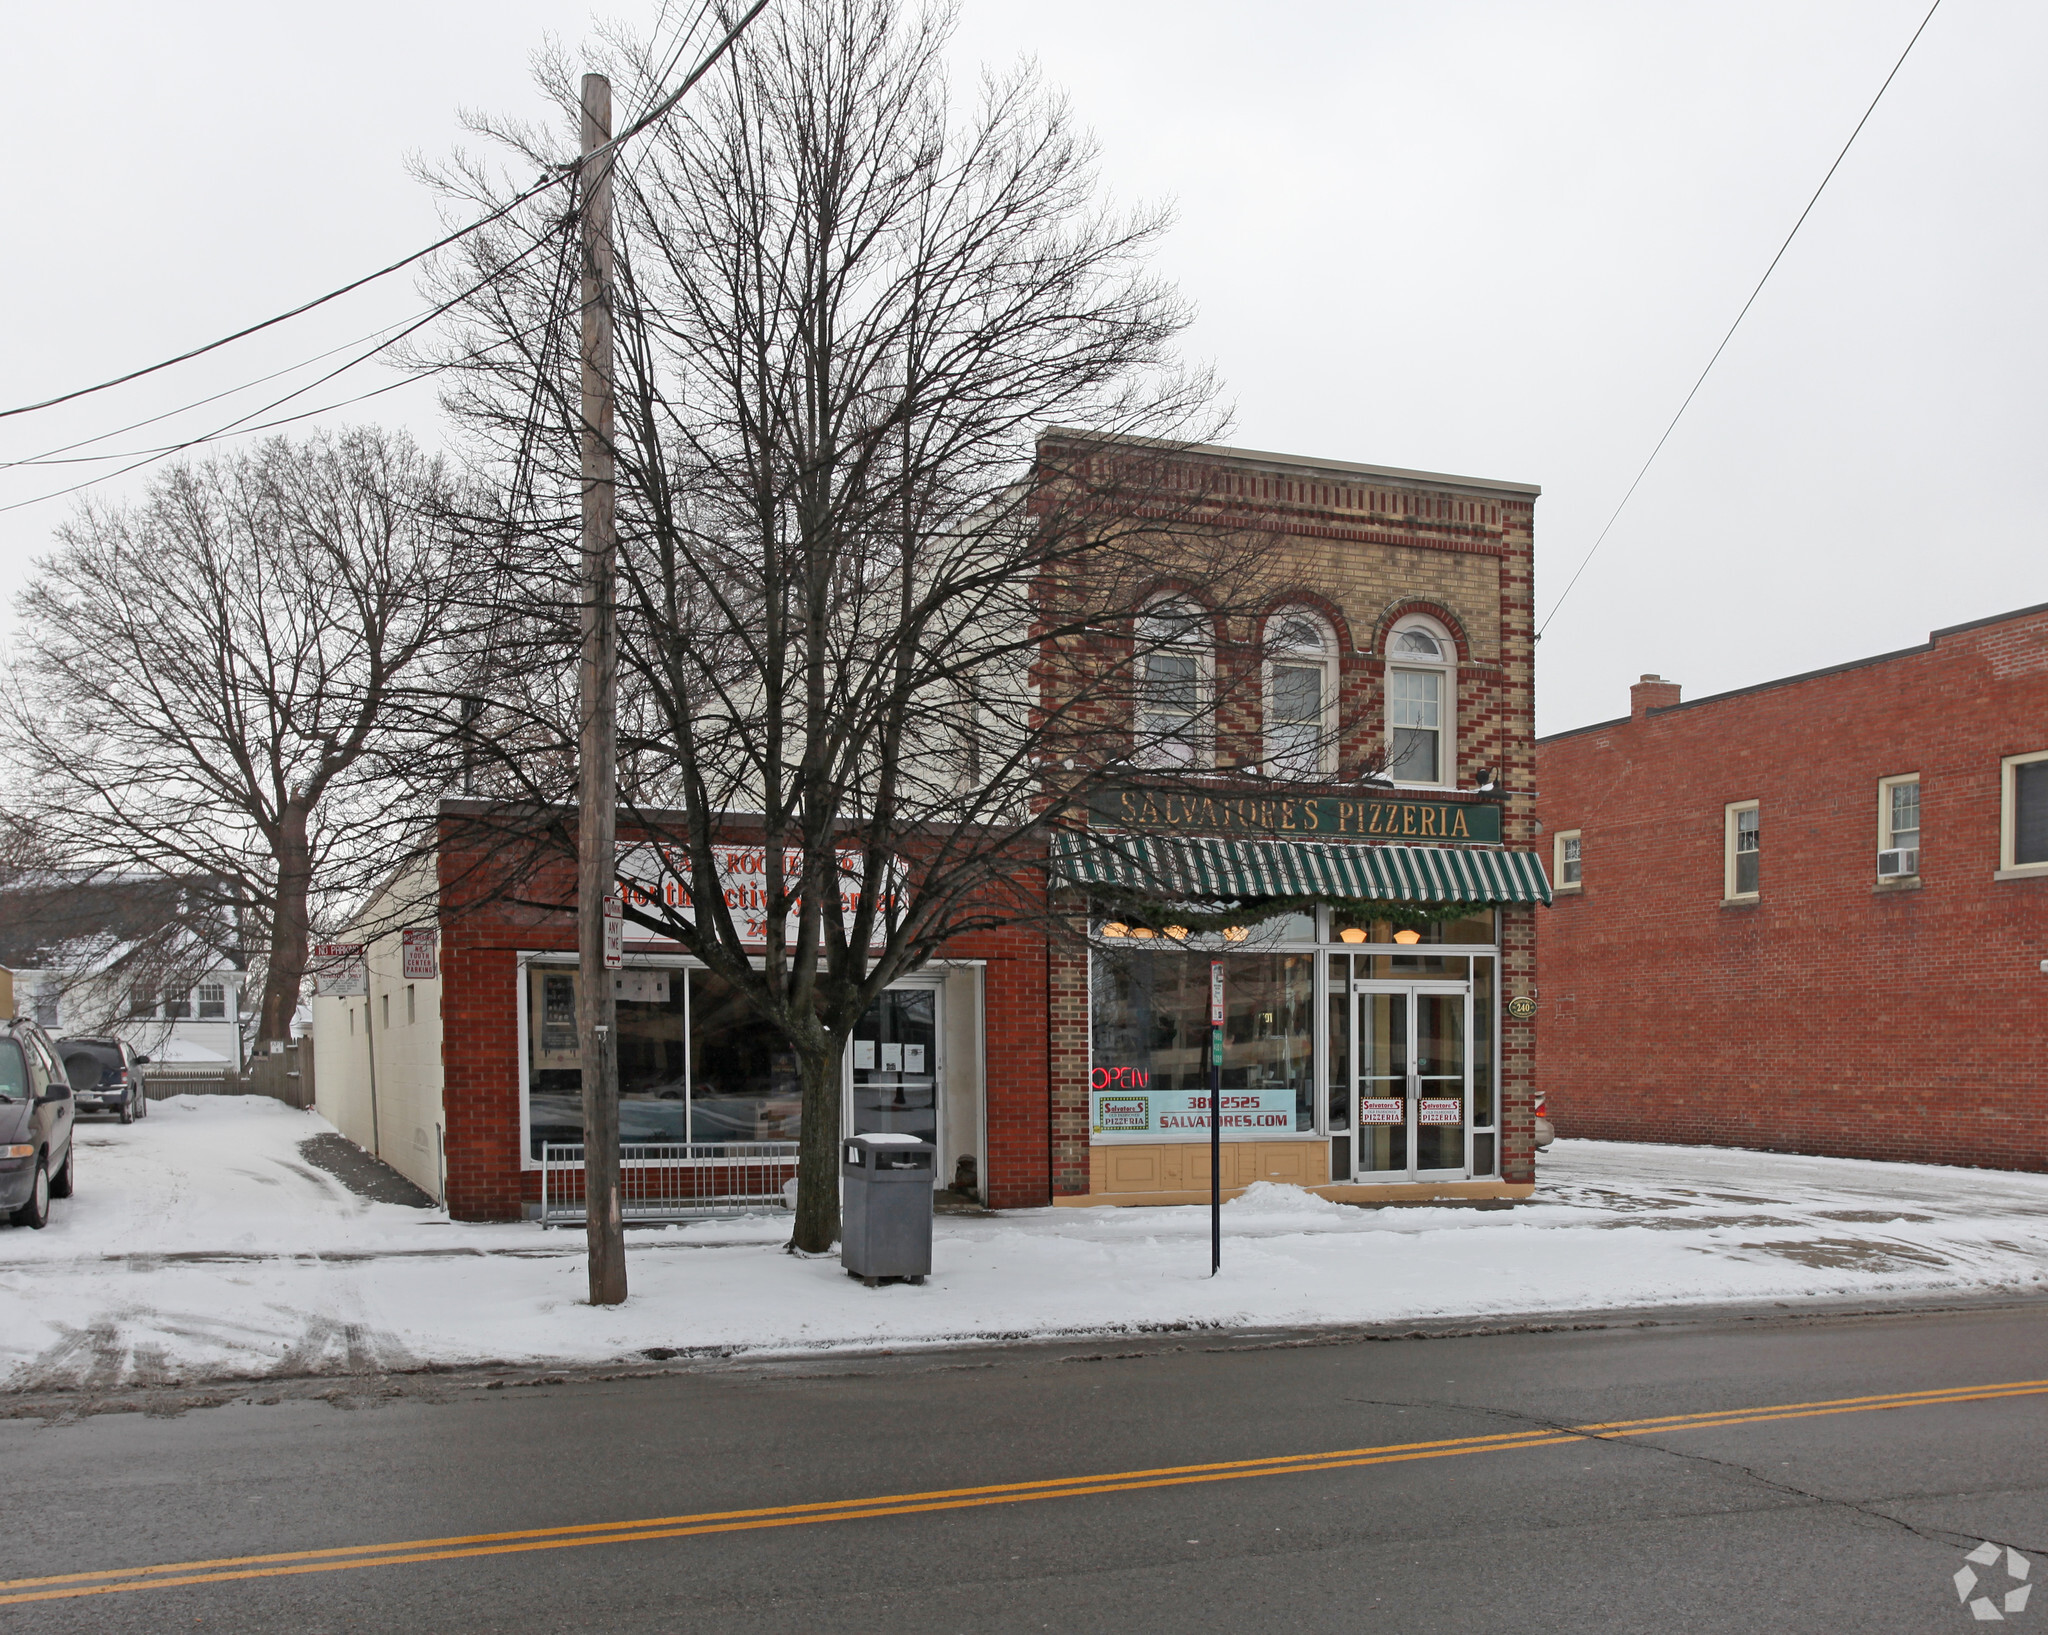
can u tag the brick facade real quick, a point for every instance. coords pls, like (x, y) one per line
(1365, 547)
(1833, 1013)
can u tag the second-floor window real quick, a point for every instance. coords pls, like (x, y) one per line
(178, 1006)
(213, 1001)
(1300, 696)
(1570, 872)
(2023, 818)
(1743, 857)
(1898, 827)
(1172, 686)
(1420, 703)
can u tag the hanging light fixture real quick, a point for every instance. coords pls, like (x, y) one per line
(1407, 937)
(1179, 933)
(1237, 933)
(1351, 933)
(1116, 928)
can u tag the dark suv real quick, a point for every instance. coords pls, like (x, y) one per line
(35, 1124)
(106, 1077)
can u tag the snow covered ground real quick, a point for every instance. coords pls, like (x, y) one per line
(201, 1245)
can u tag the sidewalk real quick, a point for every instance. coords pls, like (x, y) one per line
(203, 1245)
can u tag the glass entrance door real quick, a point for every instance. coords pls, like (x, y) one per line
(1414, 1083)
(895, 1067)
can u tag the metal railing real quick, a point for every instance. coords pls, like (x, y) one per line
(673, 1181)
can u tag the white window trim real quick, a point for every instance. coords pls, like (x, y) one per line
(1728, 831)
(2008, 814)
(1447, 702)
(1884, 814)
(1557, 880)
(1324, 658)
(1202, 745)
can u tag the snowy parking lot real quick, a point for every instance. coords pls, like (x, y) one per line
(203, 1245)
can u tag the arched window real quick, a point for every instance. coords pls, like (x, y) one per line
(1173, 672)
(1421, 703)
(1301, 695)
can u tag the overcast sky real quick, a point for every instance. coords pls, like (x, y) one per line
(1498, 239)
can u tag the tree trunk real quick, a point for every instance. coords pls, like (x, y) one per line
(289, 929)
(817, 1162)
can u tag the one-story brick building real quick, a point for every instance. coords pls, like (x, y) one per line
(1372, 770)
(1810, 915)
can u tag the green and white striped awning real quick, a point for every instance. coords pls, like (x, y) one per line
(1221, 868)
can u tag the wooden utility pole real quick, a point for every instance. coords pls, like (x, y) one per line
(597, 741)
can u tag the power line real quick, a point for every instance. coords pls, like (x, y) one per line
(300, 310)
(151, 456)
(50, 456)
(1746, 305)
(561, 173)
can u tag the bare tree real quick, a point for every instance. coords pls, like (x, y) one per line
(871, 621)
(233, 682)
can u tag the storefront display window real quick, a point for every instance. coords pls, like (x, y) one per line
(1150, 1020)
(1388, 1047)
(695, 1063)
(1358, 926)
(653, 1087)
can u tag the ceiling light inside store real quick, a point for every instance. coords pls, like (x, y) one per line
(1116, 928)
(1179, 933)
(1407, 939)
(1237, 933)
(1351, 934)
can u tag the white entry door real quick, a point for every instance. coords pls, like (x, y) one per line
(1414, 1082)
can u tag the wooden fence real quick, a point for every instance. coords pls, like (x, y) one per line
(287, 1076)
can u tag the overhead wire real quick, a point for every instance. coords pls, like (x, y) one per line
(567, 171)
(50, 456)
(1746, 305)
(558, 175)
(238, 425)
(300, 310)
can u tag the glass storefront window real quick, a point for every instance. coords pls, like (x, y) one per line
(653, 1087)
(1478, 930)
(1149, 1016)
(743, 1078)
(695, 1062)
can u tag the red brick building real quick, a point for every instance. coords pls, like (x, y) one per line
(1371, 1048)
(1810, 915)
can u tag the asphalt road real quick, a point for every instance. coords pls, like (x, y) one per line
(1459, 1495)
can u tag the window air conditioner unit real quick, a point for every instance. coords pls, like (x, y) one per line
(1898, 865)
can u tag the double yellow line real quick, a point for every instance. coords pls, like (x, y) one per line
(226, 1569)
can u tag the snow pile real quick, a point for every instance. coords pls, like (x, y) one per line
(257, 1263)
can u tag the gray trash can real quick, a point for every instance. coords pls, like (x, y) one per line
(885, 1206)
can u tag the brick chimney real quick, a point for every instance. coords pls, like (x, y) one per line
(1651, 693)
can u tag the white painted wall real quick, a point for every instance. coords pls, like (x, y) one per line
(400, 1020)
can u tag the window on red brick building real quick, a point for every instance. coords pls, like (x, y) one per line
(1567, 860)
(1745, 849)
(2024, 814)
(1898, 827)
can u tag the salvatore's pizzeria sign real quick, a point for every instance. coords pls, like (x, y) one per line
(1267, 1110)
(1303, 817)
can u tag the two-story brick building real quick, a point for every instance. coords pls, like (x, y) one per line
(1358, 759)
(1810, 915)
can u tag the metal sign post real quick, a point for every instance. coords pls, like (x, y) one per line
(1215, 1116)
